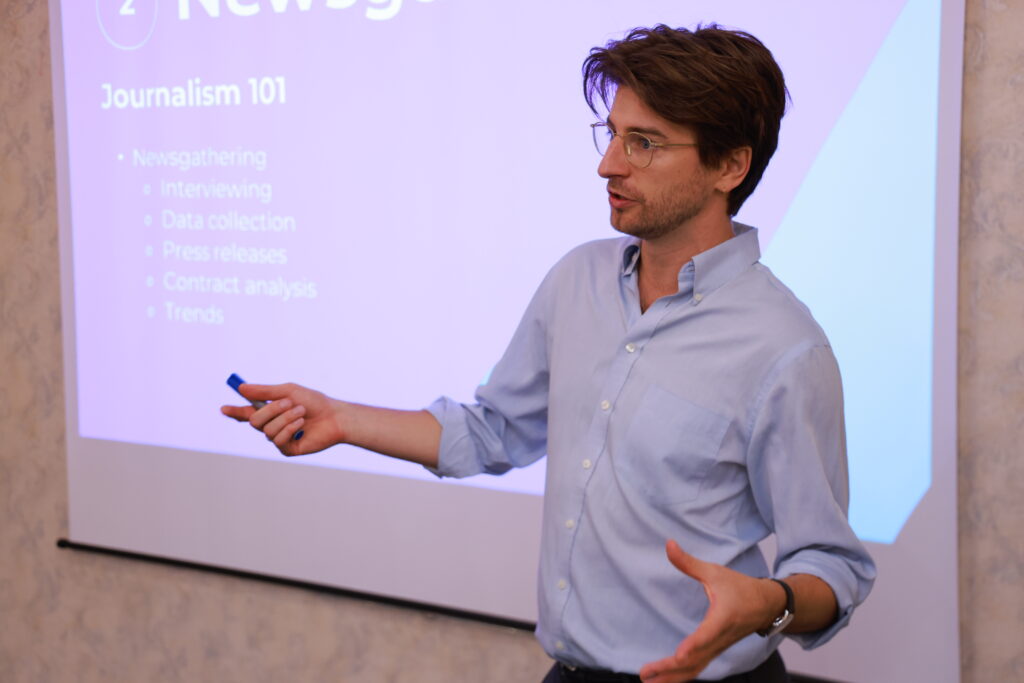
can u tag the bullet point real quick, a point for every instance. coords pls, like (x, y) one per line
(146, 189)
(150, 311)
(149, 281)
(149, 250)
(148, 220)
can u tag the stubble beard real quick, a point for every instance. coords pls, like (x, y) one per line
(665, 213)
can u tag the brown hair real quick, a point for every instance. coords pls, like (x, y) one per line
(724, 84)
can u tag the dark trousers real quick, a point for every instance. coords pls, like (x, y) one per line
(771, 671)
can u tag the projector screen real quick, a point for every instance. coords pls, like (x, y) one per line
(362, 195)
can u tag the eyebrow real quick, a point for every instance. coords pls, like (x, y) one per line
(649, 132)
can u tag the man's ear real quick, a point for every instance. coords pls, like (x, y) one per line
(733, 169)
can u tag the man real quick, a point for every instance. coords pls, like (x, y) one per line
(680, 391)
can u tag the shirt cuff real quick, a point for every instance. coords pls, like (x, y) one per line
(452, 460)
(849, 589)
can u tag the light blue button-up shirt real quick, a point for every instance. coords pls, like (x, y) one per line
(714, 418)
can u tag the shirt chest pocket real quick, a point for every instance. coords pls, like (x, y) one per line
(669, 447)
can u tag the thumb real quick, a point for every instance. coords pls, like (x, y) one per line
(240, 413)
(685, 562)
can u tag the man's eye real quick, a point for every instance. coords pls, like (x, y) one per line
(641, 142)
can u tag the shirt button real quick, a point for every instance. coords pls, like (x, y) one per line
(630, 347)
(562, 585)
(605, 405)
(559, 645)
(569, 523)
(587, 464)
(698, 297)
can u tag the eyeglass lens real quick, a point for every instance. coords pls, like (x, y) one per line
(638, 148)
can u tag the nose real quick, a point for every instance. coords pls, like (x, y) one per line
(614, 163)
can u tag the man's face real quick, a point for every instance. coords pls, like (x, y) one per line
(654, 201)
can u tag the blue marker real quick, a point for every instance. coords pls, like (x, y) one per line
(234, 381)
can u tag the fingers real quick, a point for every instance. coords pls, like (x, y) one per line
(285, 439)
(285, 414)
(669, 670)
(684, 665)
(263, 416)
(704, 644)
(689, 660)
(275, 416)
(656, 672)
(670, 676)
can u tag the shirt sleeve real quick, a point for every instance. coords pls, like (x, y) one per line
(507, 426)
(798, 471)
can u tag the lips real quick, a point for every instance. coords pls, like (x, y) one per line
(619, 200)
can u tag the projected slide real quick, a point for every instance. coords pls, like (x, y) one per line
(362, 195)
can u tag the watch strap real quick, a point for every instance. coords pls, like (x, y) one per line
(782, 621)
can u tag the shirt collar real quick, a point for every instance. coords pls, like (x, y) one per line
(630, 255)
(712, 268)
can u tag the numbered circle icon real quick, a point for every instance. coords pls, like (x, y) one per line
(127, 24)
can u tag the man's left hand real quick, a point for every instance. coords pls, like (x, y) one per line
(738, 606)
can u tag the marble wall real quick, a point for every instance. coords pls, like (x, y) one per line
(71, 616)
(991, 344)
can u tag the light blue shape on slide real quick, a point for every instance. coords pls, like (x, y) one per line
(857, 246)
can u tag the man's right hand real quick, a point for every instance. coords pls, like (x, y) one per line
(290, 408)
(412, 435)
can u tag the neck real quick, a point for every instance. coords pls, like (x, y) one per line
(662, 258)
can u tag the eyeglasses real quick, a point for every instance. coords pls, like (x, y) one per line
(639, 148)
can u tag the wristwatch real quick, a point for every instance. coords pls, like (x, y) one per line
(781, 621)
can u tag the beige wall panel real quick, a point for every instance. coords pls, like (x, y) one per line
(71, 616)
(991, 336)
